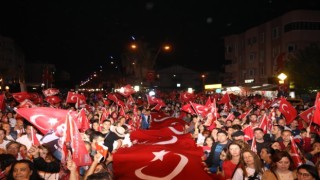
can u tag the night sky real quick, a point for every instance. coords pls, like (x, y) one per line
(68, 32)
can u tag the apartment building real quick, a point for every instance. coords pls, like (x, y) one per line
(258, 55)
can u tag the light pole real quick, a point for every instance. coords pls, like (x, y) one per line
(164, 48)
(203, 81)
(282, 86)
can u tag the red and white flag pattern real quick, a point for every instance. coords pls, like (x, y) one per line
(289, 112)
(316, 115)
(126, 90)
(50, 92)
(307, 115)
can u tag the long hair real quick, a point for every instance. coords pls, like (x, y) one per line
(34, 176)
(277, 156)
(257, 163)
(229, 156)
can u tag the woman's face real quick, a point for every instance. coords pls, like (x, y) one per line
(303, 174)
(248, 158)
(43, 153)
(234, 150)
(21, 171)
(283, 164)
(209, 141)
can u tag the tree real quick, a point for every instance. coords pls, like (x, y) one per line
(303, 68)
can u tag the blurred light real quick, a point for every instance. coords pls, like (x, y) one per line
(7, 88)
(121, 90)
(190, 90)
(136, 88)
(178, 85)
(133, 46)
(152, 93)
(218, 90)
(282, 76)
(292, 94)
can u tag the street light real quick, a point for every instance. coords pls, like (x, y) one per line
(282, 77)
(203, 79)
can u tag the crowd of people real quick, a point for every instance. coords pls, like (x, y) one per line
(228, 152)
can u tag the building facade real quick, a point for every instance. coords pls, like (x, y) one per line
(12, 65)
(257, 55)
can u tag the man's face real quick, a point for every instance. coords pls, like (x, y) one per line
(274, 130)
(286, 136)
(253, 118)
(222, 137)
(258, 135)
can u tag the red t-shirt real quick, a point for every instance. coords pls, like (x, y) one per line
(228, 167)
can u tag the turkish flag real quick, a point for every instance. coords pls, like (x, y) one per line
(287, 110)
(151, 99)
(143, 136)
(72, 138)
(264, 124)
(102, 149)
(186, 97)
(160, 120)
(26, 104)
(45, 119)
(20, 96)
(159, 105)
(187, 108)
(82, 120)
(36, 98)
(130, 101)
(248, 133)
(50, 92)
(2, 103)
(316, 115)
(307, 115)
(115, 99)
(245, 114)
(294, 152)
(34, 139)
(225, 99)
(126, 90)
(200, 109)
(53, 99)
(143, 161)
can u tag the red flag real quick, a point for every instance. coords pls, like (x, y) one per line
(36, 98)
(254, 145)
(248, 133)
(73, 139)
(26, 104)
(225, 99)
(200, 109)
(126, 90)
(45, 119)
(316, 115)
(34, 139)
(20, 96)
(287, 110)
(130, 101)
(74, 97)
(187, 108)
(307, 115)
(151, 99)
(160, 120)
(294, 152)
(82, 120)
(115, 99)
(245, 114)
(186, 97)
(53, 100)
(102, 149)
(50, 92)
(158, 162)
(2, 104)
(264, 124)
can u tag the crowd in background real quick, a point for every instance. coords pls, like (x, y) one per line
(228, 153)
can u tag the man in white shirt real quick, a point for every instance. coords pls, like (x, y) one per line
(26, 139)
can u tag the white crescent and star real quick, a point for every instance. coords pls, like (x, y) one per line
(159, 156)
(173, 140)
(285, 109)
(174, 130)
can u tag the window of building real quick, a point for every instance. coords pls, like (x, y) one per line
(262, 71)
(275, 33)
(292, 47)
(301, 25)
(252, 57)
(251, 72)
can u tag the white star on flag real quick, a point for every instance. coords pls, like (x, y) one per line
(159, 155)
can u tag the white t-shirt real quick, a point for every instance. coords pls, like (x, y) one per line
(26, 141)
(238, 175)
(3, 144)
